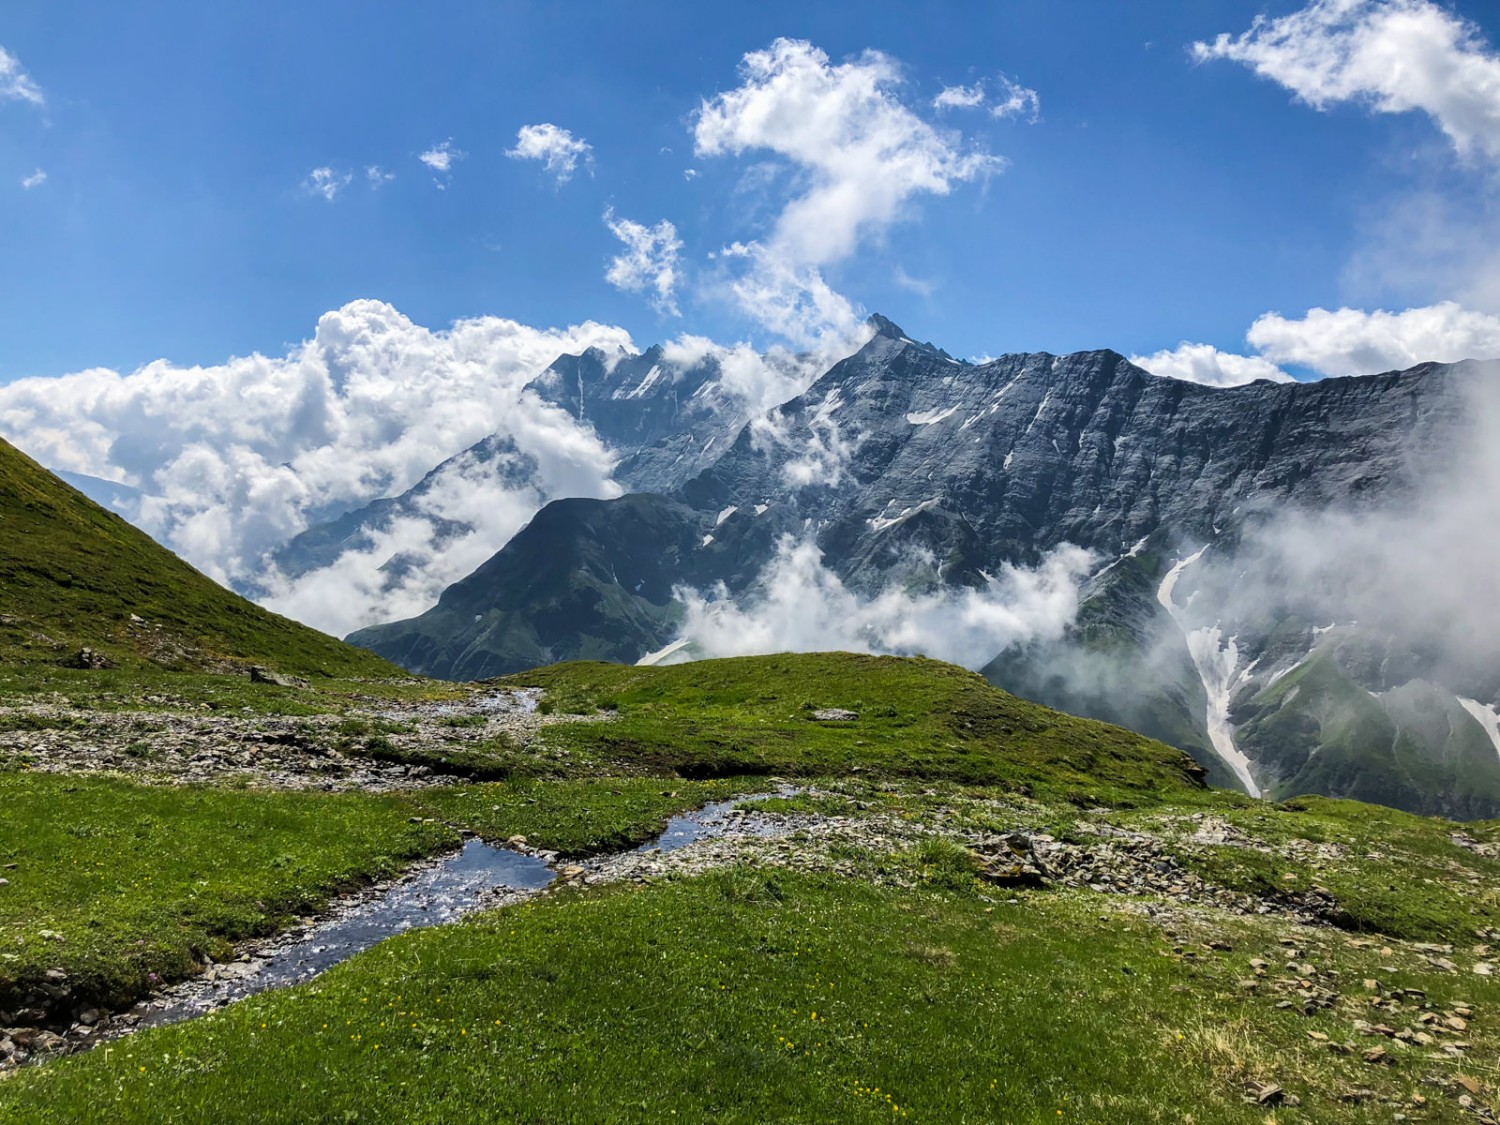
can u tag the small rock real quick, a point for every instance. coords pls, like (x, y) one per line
(1468, 1082)
(835, 715)
(516, 842)
(1378, 1056)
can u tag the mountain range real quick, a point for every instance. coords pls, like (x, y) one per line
(1211, 613)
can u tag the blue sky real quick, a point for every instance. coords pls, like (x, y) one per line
(1155, 199)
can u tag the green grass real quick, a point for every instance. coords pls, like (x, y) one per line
(748, 996)
(918, 718)
(136, 879)
(155, 689)
(72, 574)
(1391, 872)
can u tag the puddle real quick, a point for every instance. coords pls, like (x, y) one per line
(480, 876)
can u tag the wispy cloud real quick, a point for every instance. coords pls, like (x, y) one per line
(648, 263)
(377, 176)
(440, 158)
(1013, 99)
(15, 84)
(960, 97)
(1016, 100)
(36, 179)
(558, 150)
(326, 182)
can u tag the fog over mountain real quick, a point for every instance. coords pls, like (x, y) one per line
(1239, 571)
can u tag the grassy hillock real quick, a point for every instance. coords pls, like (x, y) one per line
(72, 575)
(917, 718)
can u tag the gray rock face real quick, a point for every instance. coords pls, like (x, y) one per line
(901, 462)
(667, 422)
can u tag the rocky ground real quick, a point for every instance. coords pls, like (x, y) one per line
(328, 752)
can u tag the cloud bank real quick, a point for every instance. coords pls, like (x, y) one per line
(238, 457)
(1334, 343)
(799, 605)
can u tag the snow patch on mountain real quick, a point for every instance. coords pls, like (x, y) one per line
(1486, 716)
(1216, 662)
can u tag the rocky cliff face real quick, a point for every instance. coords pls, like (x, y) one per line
(903, 462)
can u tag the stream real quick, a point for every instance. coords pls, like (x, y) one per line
(479, 876)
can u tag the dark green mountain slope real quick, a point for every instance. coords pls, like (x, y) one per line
(75, 576)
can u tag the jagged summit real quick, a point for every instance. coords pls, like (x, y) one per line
(888, 329)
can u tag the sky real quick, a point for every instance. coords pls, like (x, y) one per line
(268, 263)
(1140, 197)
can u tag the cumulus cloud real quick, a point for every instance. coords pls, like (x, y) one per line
(36, 179)
(235, 459)
(1206, 364)
(377, 176)
(558, 150)
(15, 84)
(648, 263)
(799, 605)
(861, 153)
(326, 182)
(1394, 56)
(1356, 342)
(1343, 342)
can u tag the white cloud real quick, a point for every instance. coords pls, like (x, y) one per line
(326, 182)
(36, 179)
(1017, 101)
(1014, 100)
(648, 263)
(1356, 342)
(440, 159)
(1206, 364)
(377, 176)
(1393, 56)
(863, 156)
(960, 97)
(1344, 342)
(559, 151)
(237, 458)
(15, 84)
(757, 381)
(799, 605)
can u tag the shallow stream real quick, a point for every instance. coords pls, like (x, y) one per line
(479, 876)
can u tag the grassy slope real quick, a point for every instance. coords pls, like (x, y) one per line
(72, 573)
(1412, 747)
(918, 718)
(748, 996)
